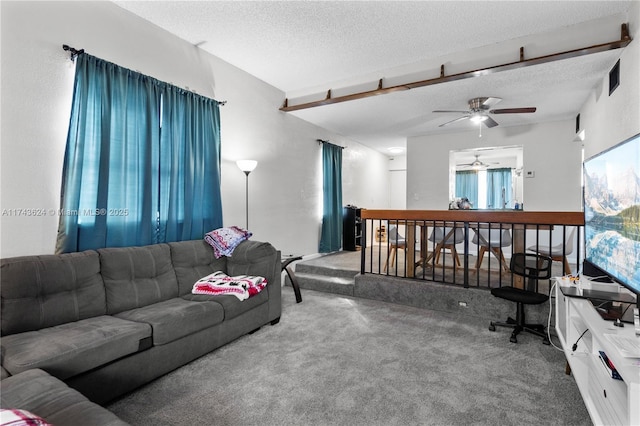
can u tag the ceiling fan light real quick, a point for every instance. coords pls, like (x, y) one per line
(478, 118)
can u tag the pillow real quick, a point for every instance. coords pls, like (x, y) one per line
(225, 240)
(219, 283)
(16, 417)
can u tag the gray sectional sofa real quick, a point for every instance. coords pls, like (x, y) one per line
(108, 321)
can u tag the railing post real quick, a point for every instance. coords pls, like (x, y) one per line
(466, 255)
(363, 244)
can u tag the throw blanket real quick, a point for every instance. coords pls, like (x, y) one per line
(241, 286)
(16, 417)
(225, 240)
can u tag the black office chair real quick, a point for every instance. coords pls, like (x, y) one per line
(533, 267)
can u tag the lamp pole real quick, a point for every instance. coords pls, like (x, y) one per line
(246, 198)
(247, 166)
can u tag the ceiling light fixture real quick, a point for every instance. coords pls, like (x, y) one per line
(478, 118)
(396, 150)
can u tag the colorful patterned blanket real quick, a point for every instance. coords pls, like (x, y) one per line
(241, 286)
(225, 240)
(17, 417)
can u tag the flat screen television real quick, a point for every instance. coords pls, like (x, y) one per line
(612, 214)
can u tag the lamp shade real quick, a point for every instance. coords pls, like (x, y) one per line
(247, 165)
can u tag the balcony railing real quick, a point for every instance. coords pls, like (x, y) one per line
(467, 247)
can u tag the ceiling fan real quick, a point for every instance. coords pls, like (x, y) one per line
(476, 164)
(479, 110)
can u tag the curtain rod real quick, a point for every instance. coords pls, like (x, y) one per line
(320, 141)
(75, 52)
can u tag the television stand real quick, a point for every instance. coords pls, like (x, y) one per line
(608, 400)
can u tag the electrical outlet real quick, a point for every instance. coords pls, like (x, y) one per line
(463, 304)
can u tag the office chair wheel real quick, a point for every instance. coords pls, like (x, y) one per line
(546, 341)
(492, 327)
(513, 339)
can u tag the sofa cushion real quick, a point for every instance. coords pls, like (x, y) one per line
(44, 395)
(176, 318)
(73, 348)
(137, 276)
(193, 260)
(45, 291)
(231, 304)
(248, 258)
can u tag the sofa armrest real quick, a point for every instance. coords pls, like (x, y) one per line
(262, 259)
(50, 398)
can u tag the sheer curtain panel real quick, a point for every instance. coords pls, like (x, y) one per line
(467, 186)
(499, 190)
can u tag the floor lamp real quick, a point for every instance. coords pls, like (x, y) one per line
(247, 167)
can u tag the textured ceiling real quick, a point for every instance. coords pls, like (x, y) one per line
(305, 48)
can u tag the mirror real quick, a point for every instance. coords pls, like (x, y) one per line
(489, 178)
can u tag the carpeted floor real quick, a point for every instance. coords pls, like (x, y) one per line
(335, 360)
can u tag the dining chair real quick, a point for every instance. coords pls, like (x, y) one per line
(492, 240)
(445, 238)
(558, 252)
(396, 241)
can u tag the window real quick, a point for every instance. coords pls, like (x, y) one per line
(142, 163)
(486, 189)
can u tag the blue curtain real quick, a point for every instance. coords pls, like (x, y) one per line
(118, 167)
(190, 199)
(498, 188)
(331, 237)
(467, 186)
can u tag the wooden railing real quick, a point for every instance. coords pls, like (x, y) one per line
(478, 243)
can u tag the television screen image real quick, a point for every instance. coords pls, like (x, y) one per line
(612, 212)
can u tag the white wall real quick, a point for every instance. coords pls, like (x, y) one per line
(549, 150)
(398, 182)
(37, 80)
(608, 120)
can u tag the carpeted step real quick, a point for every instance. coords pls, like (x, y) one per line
(329, 271)
(325, 283)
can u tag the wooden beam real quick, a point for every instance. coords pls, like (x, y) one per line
(521, 63)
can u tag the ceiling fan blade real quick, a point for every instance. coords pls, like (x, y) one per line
(453, 121)
(450, 111)
(489, 102)
(513, 110)
(490, 122)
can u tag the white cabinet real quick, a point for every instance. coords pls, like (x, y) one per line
(609, 401)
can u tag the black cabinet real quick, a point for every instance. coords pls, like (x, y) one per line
(351, 228)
